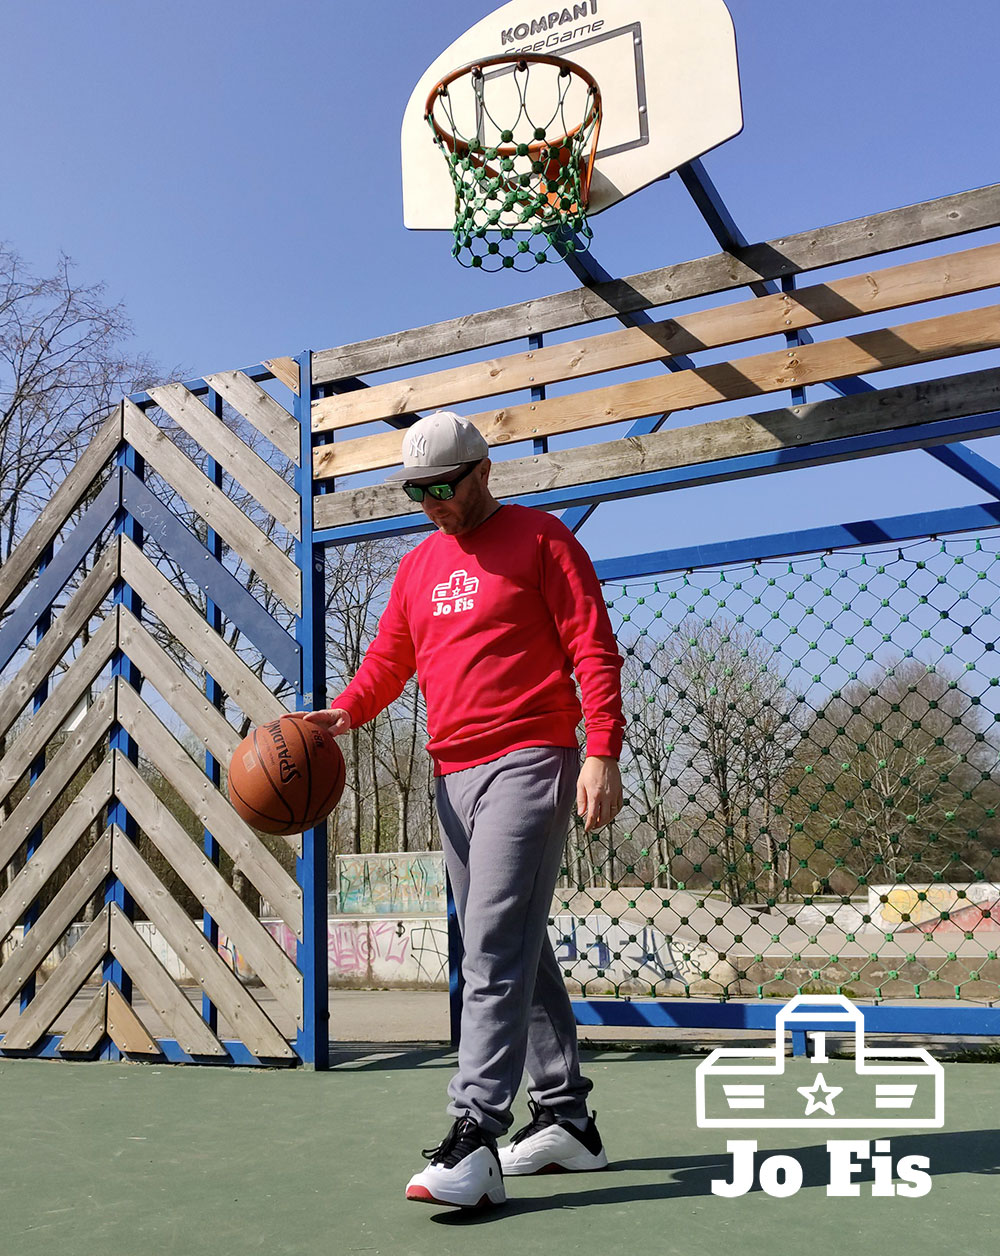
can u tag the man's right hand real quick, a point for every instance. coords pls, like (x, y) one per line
(334, 721)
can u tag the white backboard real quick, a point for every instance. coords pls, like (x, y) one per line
(668, 78)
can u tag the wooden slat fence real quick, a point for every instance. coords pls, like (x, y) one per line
(114, 674)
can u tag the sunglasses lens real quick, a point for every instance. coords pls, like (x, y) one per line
(414, 492)
(441, 492)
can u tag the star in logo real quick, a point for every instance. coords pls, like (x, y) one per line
(819, 1105)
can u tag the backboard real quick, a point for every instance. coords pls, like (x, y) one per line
(668, 77)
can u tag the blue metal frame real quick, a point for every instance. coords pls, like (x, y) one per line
(313, 1037)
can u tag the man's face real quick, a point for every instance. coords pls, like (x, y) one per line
(466, 509)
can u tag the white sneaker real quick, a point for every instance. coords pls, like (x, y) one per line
(550, 1145)
(464, 1170)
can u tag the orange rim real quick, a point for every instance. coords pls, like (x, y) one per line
(462, 147)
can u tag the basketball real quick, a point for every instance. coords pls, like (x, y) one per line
(286, 776)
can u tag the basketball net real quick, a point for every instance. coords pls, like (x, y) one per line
(522, 180)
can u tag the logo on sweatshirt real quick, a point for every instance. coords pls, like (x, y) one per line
(455, 594)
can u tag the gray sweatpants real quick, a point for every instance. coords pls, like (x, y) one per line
(503, 828)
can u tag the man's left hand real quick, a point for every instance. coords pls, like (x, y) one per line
(598, 791)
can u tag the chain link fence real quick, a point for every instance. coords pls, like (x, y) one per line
(811, 784)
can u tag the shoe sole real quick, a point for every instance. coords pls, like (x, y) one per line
(421, 1195)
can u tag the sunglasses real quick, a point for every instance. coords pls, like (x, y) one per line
(439, 492)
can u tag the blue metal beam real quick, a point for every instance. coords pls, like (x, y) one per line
(70, 555)
(808, 541)
(970, 465)
(239, 606)
(690, 1014)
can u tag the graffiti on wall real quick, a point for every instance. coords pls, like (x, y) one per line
(397, 884)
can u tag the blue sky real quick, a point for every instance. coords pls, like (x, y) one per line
(231, 172)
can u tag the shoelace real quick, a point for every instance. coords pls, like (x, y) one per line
(462, 1139)
(541, 1118)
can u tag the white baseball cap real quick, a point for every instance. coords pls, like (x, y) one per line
(437, 446)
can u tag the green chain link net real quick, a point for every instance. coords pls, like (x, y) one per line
(811, 784)
(520, 201)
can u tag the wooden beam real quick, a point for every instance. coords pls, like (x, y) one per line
(200, 640)
(236, 838)
(60, 506)
(940, 219)
(260, 950)
(83, 883)
(125, 1029)
(187, 701)
(46, 723)
(276, 496)
(190, 1031)
(286, 370)
(55, 846)
(256, 549)
(203, 962)
(881, 410)
(64, 631)
(86, 1032)
(907, 344)
(930, 279)
(60, 989)
(48, 789)
(259, 408)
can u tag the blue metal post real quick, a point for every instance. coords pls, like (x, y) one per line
(313, 1038)
(122, 667)
(213, 691)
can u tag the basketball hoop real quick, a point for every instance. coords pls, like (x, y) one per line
(520, 165)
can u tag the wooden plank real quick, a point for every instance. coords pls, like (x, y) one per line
(46, 791)
(940, 219)
(188, 702)
(86, 1032)
(45, 724)
(191, 1032)
(125, 1029)
(258, 551)
(260, 950)
(236, 838)
(56, 845)
(59, 507)
(873, 292)
(259, 408)
(907, 344)
(83, 883)
(60, 989)
(881, 410)
(201, 641)
(274, 494)
(66, 628)
(286, 370)
(201, 959)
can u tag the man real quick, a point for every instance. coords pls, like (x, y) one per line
(494, 612)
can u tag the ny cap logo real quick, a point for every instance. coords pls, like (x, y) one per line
(416, 445)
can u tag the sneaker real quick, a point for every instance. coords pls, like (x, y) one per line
(464, 1170)
(548, 1144)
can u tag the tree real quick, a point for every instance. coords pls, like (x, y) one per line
(896, 777)
(710, 731)
(63, 365)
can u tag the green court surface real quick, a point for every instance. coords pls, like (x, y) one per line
(129, 1159)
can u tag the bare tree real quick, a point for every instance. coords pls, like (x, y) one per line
(63, 364)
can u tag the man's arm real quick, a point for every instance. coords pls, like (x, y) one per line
(575, 600)
(388, 664)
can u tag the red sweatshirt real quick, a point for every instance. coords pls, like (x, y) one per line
(494, 622)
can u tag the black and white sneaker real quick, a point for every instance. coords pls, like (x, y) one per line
(464, 1170)
(548, 1144)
